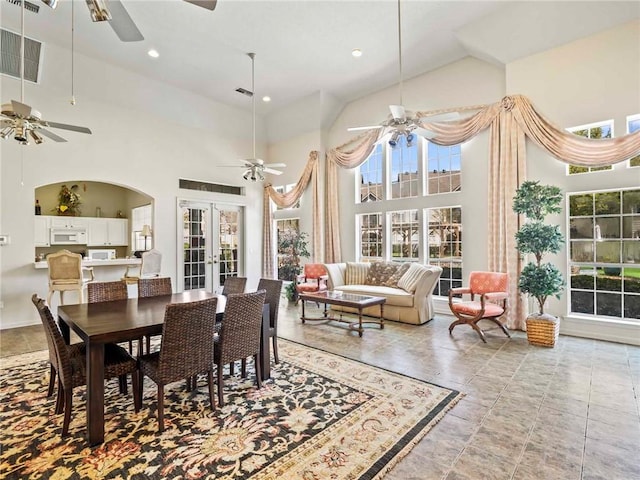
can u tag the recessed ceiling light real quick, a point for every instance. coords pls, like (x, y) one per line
(153, 53)
(356, 52)
(266, 98)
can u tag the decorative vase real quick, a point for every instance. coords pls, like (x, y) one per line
(542, 329)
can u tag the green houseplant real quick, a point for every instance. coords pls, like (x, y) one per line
(539, 279)
(293, 245)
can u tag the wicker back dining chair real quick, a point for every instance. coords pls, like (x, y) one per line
(70, 363)
(154, 287)
(239, 336)
(234, 285)
(107, 291)
(274, 290)
(186, 349)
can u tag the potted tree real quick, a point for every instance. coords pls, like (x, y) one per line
(293, 244)
(537, 279)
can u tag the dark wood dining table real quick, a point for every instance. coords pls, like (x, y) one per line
(123, 320)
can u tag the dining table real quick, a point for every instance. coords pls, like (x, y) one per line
(122, 320)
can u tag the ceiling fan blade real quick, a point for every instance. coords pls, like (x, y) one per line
(50, 3)
(423, 132)
(443, 117)
(397, 112)
(208, 4)
(275, 165)
(64, 126)
(272, 171)
(20, 109)
(370, 127)
(50, 135)
(122, 23)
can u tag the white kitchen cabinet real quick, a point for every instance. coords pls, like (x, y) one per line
(107, 232)
(68, 222)
(41, 225)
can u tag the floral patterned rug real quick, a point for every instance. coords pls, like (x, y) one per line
(321, 416)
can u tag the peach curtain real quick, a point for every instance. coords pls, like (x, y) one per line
(510, 120)
(286, 200)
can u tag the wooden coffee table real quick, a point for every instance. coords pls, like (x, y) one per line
(359, 302)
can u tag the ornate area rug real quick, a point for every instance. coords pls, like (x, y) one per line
(321, 416)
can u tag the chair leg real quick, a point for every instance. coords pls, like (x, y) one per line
(135, 383)
(140, 386)
(220, 398)
(479, 330)
(243, 368)
(232, 368)
(52, 380)
(275, 349)
(148, 344)
(455, 324)
(59, 399)
(122, 380)
(258, 370)
(68, 401)
(160, 408)
(212, 397)
(501, 325)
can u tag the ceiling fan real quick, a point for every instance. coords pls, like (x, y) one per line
(113, 11)
(23, 122)
(255, 168)
(401, 122)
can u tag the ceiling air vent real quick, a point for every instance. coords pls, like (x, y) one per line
(31, 7)
(10, 48)
(210, 187)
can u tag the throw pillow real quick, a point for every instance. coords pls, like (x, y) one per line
(380, 272)
(409, 280)
(356, 273)
(392, 281)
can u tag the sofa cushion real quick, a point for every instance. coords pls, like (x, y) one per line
(409, 280)
(394, 296)
(392, 281)
(356, 273)
(380, 272)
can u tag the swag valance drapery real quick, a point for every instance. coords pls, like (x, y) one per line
(286, 200)
(510, 121)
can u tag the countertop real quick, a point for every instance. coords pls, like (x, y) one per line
(98, 263)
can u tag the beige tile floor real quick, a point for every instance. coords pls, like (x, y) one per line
(563, 413)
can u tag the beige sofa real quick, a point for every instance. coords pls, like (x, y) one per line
(411, 305)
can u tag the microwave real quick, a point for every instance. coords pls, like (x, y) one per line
(104, 254)
(68, 236)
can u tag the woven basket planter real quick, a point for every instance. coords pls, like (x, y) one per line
(543, 330)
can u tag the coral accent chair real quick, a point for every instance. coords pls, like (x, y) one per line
(313, 279)
(491, 287)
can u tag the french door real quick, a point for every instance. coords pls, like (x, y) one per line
(210, 249)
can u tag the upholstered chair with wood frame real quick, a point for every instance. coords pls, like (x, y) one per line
(150, 267)
(313, 278)
(66, 273)
(490, 288)
(186, 349)
(70, 363)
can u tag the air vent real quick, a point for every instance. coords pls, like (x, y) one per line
(10, 63)
(244, 91)
(27, 5)
(210, 187)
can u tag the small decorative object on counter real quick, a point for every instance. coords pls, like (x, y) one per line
(119, 214)
(39, 257)
(38, 208)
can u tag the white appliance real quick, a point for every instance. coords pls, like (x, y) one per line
(104, 254)
(68, 236)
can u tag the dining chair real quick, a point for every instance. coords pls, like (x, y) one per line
(491, 287)
(186, 349)
(66, 273)
(153, 287)
(274, 290)
(70, 363)
(234, 285)
(149, 267)
(239, 336)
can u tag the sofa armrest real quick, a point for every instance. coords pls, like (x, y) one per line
(423, 299)
(335, 274)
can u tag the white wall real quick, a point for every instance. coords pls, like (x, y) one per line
(146, 135)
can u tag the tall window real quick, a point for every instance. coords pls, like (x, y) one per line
(405, 178)
(593, 130)
(370, 174)
(604, 253)
(633, 125)
(286, 228)
(371, 238)
(443, 169)
(444, 243)
(405, 236)
(140, 216)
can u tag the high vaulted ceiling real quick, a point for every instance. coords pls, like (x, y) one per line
(304, 46)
